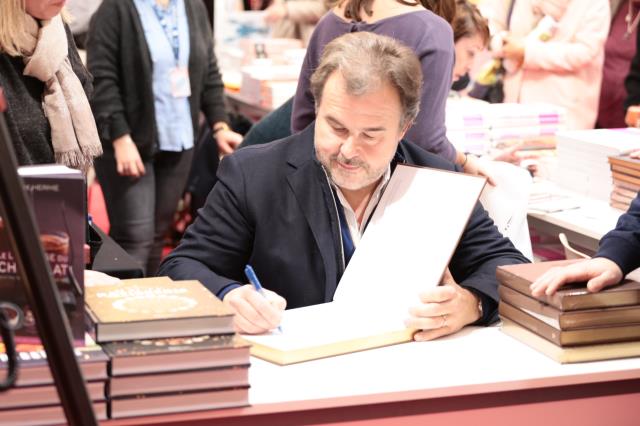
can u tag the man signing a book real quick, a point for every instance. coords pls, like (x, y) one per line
(617, 255)
(296, 209)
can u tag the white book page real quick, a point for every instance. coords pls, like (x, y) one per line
(410, 238)
(326, 323)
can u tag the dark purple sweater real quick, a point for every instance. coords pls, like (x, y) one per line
(428, 35)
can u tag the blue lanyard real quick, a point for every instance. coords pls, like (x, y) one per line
(172, 33)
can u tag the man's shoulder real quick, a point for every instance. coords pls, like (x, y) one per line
(413, 154)
(294, 148)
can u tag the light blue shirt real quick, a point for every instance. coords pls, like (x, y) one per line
(173, 115)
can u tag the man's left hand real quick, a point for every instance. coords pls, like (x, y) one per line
(443, 310)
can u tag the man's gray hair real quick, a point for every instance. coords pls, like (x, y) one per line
(366, 61)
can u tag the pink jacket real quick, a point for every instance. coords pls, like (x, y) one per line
(565, 70)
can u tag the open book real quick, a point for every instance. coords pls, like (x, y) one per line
(405, 249)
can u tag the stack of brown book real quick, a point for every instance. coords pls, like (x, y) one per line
(625, 173)
(177, 374)
(34, 399)
(171, 345)
(573, 325)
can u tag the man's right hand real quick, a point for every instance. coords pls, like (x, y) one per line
(128, 161)
(255, 313)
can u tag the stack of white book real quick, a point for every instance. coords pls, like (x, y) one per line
(475, 126)
(583, 164)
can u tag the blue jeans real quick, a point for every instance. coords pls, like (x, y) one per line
(141, 210)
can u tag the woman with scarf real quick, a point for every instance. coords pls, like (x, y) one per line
(46, 86)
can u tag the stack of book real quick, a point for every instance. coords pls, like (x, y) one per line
(582, 159)
(625, 172)
(34, 400)
(476, 126)
(573, 325)
(171, 346)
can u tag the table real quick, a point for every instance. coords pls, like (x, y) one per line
(584, 226)
(240, 105)
(478, 376)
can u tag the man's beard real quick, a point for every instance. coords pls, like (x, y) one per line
(362, 176)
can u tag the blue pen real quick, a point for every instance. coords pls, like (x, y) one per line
(253, 279)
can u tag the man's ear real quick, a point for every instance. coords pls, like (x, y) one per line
(406, 128)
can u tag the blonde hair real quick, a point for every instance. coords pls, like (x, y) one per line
(12, 26)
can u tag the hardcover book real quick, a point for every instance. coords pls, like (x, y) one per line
(34, 368)
(58, 197)
(567, 355)
(548, 328)
(178, 402)
(569, 320)
(150, 308)
(176, 354)
(572, 296)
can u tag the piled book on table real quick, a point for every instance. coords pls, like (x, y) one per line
(573, 325)
(476, 126)
(171, 346)
(625, 173)
(583, 165)
(34, 399)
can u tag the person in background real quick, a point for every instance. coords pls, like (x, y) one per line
(618, 52)
(296, 208)
(155, 72)
(554, 53)
(470, 36)
(617, 255)
(417, 26)
(46, 86)
(295, 18)
(81, 12)
(632, 82)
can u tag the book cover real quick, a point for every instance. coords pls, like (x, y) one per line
(625, 161)
(568, 320)
(571, 296)
(175, 354)
(57, 194)
(34, 368)
(574, 354)
(42, 396)
(53, 415)
(178, 402)
(549, 329)
(178, 381)
(154, 308)
(619, 176)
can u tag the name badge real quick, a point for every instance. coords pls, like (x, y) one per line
(180, 85)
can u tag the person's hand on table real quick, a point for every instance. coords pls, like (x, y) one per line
(443, 310)
(599, 273)
(255, 313)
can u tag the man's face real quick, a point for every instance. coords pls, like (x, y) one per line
(356, 136)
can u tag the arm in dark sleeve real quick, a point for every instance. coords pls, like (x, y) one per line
(216, 247)
(481, 250)
(622, 244)
(103, 49)
(632, 82)
(212, 96)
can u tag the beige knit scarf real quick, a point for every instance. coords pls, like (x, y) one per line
(73, 129)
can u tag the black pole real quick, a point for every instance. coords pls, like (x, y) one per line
(42, 293)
